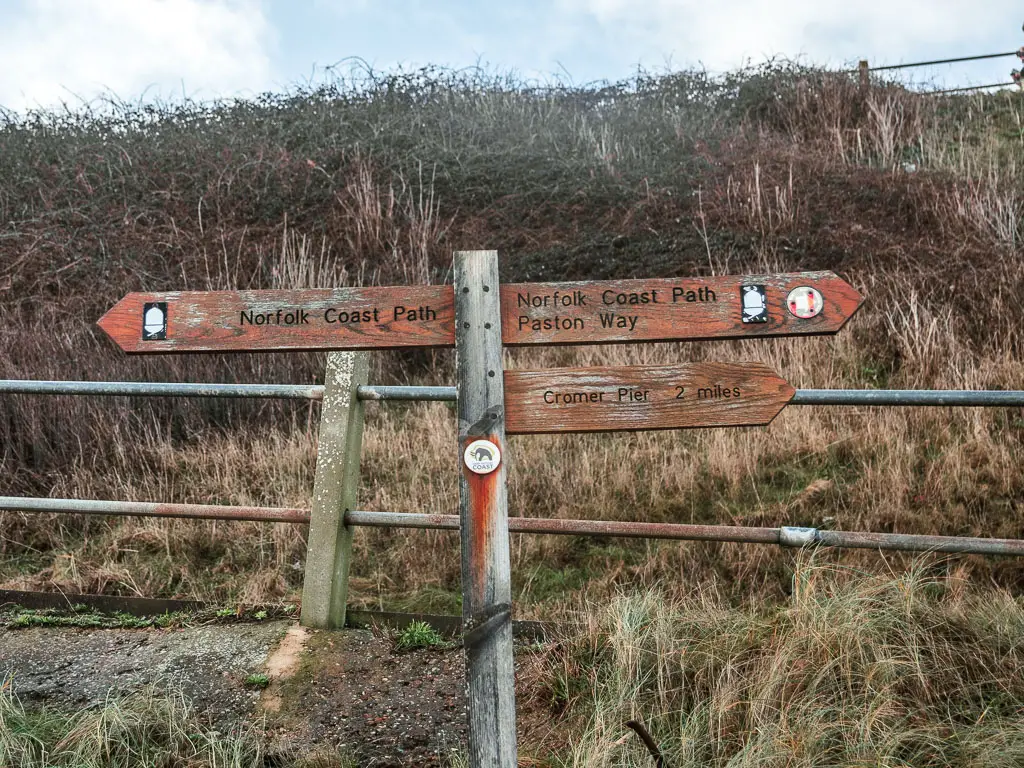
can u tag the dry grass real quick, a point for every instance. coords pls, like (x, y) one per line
(147, 728)
(910, 669)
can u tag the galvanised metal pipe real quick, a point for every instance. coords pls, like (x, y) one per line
(161, 389)
(786, 536)
(375, 392)
(403, 520)
(933, 397)
(876, 397)
(153, 509)
(919, 543)
(940, 61)
(982, 397)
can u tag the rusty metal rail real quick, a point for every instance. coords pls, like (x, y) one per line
(785, 536)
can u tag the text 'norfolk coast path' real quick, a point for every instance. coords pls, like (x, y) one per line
(591, 312)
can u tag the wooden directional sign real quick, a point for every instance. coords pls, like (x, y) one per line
(643, 397)
(594, 312)
(249, 321)
(676, 309)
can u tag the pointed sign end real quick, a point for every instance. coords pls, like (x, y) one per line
(123, 323)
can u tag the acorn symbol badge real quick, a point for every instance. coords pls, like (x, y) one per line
(154, 321)
(755, 304)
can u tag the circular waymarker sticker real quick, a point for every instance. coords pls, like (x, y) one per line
(805, 302)
(482, 456)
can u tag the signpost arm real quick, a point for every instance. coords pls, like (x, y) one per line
(486, 579)
(329, 548)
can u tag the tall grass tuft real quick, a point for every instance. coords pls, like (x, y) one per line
(854, 669)
(148, 728)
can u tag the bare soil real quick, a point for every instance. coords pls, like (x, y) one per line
(354, 692)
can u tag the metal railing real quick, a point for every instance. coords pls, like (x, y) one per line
(786, 536)
(160, 389)
(864, 69)
(936, 62)
(376, 392)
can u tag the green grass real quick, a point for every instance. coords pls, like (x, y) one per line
(425, 599)
(417, 636)
(83, 617)
(257, 680)
(87, 619)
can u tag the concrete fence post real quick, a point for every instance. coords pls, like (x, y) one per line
(329, 547)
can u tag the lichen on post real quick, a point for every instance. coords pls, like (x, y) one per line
(329, 547)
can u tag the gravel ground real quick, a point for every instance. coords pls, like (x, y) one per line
(350, 691)
(77, 668)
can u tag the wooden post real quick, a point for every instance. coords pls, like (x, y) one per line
(865, 80)
(329, 547)
(483, 512)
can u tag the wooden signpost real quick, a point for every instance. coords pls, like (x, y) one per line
(677, 309)
(478, 316)
(483, 513)
(305, 319)
(596, 312)
(643, 397)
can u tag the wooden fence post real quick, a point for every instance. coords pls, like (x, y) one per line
(865, 79)
(483, 512)
(329, 546)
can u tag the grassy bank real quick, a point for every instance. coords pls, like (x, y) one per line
(376, 178)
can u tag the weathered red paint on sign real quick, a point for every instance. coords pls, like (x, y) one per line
(591, 312)
(666, 309)
(643, 397)
(244, 321)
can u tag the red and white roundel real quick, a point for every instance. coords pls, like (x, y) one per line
(805, 302)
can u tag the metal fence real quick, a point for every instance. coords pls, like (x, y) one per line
(786, 536)
(374, 392)
(865, 69)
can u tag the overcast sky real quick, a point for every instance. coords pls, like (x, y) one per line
(54, 50)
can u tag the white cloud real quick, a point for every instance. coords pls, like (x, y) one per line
(723, 34)
(57, 50)
(53, 50)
